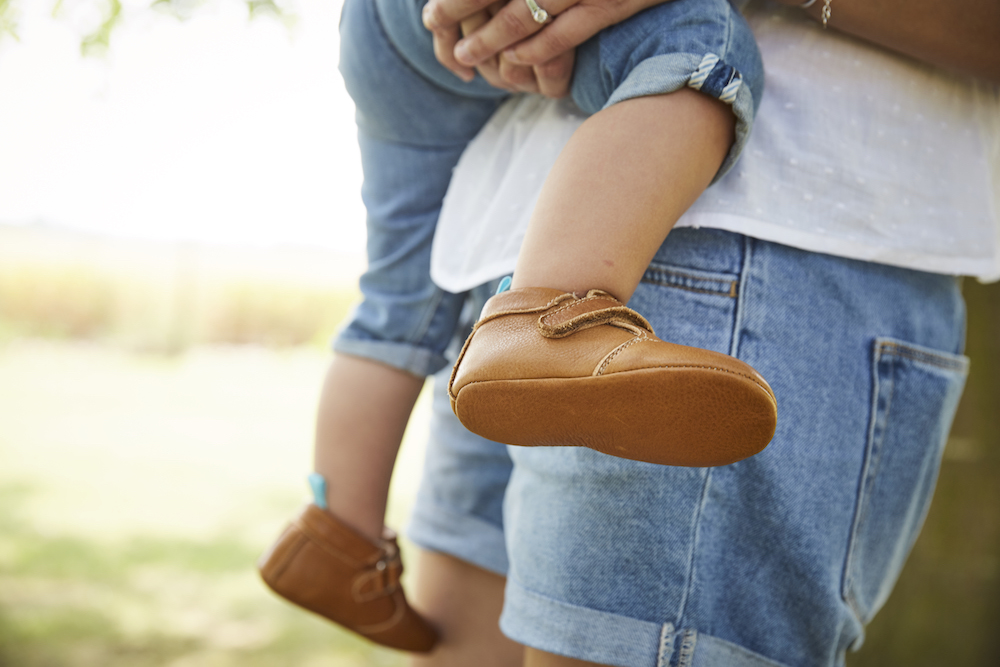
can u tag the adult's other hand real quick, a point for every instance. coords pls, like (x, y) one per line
(468, 18)
(514, 31)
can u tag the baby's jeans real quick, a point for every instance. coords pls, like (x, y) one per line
(415, 118)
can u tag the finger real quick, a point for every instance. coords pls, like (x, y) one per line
(439, 14)
(472, 23)
(554, 76)
(490, 70)
(512, 24)
(520, 77)
(444, 51)
(572, 28)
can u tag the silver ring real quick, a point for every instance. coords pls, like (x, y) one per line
(537, 13)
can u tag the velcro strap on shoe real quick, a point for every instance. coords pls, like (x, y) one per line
(521, 301)
(380, 580)
(590, 312)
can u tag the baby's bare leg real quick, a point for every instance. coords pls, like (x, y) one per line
(363, 411)
(618, 187)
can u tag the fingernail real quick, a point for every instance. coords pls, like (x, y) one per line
(466, 76)
(462, 54)
(511, 57)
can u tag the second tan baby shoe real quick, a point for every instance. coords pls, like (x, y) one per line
(543, 367)
(326, 567)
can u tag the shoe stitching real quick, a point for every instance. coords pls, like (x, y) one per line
(323, 543)
(391, 622)
(520, 311)
(618, 316)
(645, 368)
(579, 301)
(384, 582)
(461, 355)
(618, 350)
(287, 556)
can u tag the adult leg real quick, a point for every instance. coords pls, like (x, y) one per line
(457, 522)
(464, 602)
(779, 559)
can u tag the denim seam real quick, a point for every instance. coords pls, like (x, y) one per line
(727, 41)
(898, 350)
(868, 469)
(666, 648)
(733, 287)
(421, 329)
(689, 640)
(692, 552)
(734, 345)
(682, 274)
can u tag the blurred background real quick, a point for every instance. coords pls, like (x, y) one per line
(180, 234)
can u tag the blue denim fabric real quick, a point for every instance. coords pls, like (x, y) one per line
(780, 559)
(415, 118)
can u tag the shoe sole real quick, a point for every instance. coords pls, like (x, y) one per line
(682, 417)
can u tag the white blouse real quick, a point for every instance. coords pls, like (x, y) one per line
(856, 152)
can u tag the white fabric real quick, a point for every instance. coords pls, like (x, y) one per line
(855, 152)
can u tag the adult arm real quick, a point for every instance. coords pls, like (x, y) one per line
(961, 35)
(957, 34)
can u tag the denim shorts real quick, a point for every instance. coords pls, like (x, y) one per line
(780, 559)
(415, 118)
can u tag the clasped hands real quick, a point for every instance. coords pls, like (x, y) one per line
(502, 41)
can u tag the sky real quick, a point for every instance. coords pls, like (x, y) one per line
(216, 129)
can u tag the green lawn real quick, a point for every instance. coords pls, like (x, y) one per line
(136, 492)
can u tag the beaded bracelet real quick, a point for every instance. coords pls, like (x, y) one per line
(824, 14)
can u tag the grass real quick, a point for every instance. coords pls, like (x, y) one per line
(156, 409)
(136, 493)
(167, 297)
(155, 431)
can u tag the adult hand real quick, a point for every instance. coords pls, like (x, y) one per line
(515, 33)
(497, 71)
(549, 78)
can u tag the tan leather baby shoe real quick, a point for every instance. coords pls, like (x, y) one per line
(323, 565)
(543, 367)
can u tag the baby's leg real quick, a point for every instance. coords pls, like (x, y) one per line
(618, 187)
(414, 120)
(559, 360)
(411, 130)
(652, 146)
(362, 414)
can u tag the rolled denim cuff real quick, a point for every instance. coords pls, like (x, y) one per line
(406, 357)
(706, 73)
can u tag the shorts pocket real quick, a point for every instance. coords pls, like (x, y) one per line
(689, 306)
(915, 394)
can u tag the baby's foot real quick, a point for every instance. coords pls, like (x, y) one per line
(544, 367)
(321, 564)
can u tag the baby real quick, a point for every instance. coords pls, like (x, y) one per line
(556, 358)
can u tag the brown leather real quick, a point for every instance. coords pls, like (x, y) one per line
(543, 367)
(326, 567)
